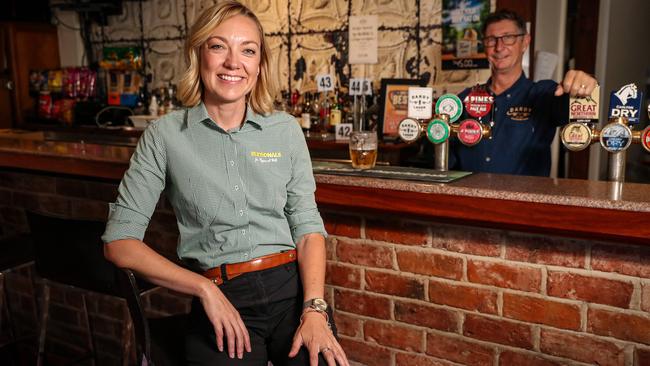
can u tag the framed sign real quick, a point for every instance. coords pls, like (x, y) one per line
(394, 105)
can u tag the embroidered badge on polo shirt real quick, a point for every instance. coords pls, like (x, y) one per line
(266, 157)
(519, 113)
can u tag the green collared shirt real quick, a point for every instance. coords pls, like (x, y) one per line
(237, 194)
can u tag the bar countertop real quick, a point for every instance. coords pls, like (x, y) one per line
(581, 208)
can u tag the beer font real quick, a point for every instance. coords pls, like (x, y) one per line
(616, 136)
(442, 125)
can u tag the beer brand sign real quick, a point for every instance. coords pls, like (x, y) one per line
(585, 109)
(626, 102)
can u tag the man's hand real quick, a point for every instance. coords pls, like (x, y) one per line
(576, 83)
(315, 335)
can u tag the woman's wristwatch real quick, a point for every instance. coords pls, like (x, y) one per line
(317, 304)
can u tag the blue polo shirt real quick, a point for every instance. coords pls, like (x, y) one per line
(525, 119)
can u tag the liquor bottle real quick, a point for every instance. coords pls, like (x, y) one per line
(305, 115)
(296, 105)
(324, 114)
(335, 112)
(314, 114)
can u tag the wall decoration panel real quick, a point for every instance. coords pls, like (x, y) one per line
(163, 19)
(165, 58)
(391, 13)
(317, 15)
(307, 37)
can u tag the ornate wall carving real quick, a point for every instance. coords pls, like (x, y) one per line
(307, 37)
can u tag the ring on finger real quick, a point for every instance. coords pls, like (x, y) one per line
(582, 86)
(326, 349)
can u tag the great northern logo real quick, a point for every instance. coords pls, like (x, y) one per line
(265, 157)
(519, 113)
(585, 109)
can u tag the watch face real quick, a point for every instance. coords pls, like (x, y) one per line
(319, 304)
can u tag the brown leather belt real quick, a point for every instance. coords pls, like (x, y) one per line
(229, 271)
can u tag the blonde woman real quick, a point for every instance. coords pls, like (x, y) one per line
(239, 178)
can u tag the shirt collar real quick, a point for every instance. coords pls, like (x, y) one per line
(522, 82)
(199, 114)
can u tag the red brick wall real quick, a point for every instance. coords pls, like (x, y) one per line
(407, 292)
(424, 293)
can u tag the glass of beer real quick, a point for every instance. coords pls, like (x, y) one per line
(363, 149)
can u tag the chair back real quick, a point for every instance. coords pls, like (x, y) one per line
(129, 289)
(70, 251)
(158, 341)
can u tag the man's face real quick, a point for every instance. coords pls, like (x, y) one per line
(505, 58)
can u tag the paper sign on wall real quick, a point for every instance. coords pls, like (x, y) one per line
(363, 39)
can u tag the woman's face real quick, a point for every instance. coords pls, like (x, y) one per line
(230, 61)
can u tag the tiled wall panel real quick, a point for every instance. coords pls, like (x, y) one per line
(307, 37)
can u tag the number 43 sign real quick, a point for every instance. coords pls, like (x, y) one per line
(325, 82)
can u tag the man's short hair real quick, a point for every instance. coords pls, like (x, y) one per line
(505, 14)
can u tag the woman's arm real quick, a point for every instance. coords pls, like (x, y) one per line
(314, 332)
(139, 257)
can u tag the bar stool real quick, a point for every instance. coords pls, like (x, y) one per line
(159, 341)
(69, 254)
(16, 254)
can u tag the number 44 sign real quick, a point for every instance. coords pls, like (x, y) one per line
(360, 87)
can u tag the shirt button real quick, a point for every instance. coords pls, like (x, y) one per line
(241, 212)
(243, 232)
(496, 109)
(236, 188)
(232, 163)
(508, 96)
(245, 255)
(488, 159)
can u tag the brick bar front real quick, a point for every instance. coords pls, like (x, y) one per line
(489, 270)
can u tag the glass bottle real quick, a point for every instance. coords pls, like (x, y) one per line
(335, 112)
(305, 115)
(314, 114)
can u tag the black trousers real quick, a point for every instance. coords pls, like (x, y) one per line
(270, 304)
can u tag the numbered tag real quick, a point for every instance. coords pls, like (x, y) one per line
(360, 87)
(343, 130)
(325, 82)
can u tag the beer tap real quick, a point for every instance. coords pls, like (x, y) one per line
(440, 126)
(616, 136)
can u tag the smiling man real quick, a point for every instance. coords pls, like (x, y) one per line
(525, 114)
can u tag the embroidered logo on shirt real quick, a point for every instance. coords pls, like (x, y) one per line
(266, 157)
(519, 113)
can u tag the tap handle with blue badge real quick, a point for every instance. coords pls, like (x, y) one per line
(626, 102)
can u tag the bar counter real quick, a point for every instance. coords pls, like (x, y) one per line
(580, 208)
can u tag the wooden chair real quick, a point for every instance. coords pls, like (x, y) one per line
(159, 341)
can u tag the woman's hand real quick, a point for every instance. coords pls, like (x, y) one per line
(314, 333)
(226, 321)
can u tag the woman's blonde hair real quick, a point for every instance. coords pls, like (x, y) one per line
(190, 87)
